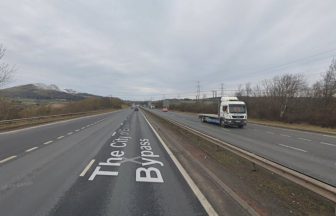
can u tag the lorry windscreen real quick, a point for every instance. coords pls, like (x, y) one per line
(237, 108)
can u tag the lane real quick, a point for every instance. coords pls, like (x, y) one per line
(17, 142)
(116, 167)
(32, 184)
(306, 155)
(131, 175)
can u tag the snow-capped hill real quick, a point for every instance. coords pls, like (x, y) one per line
(39, 91)
(70, 91)
(47, 87)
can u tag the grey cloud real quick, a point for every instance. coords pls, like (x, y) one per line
(138, 49)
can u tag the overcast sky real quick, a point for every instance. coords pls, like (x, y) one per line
(146, 48)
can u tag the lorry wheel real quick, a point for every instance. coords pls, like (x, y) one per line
(203, 119)
(222, 124)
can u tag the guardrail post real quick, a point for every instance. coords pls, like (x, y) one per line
(254, 167)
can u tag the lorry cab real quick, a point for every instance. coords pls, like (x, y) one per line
(232, 112)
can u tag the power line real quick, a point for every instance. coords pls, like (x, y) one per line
(198, 90)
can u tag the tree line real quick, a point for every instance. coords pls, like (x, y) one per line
(290, 98)
(287, 98)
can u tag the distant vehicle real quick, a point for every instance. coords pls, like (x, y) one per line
(231, 112)
(164, 109)
(136, 109)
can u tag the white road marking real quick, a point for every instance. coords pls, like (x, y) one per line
(58, 122)
(77, 130)
(31, 149)
(329, 136)
(329, 144)
(269, 132)
(60, 137)
(203, 200)
(114, 133)
(87, 168)
(300, 138)
(48, 142)
(285, 135)
(70, 133)
(82, 128)
(7, 159)
(291, 147)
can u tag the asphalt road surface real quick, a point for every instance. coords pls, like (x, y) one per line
(111, 164)
(313, 154)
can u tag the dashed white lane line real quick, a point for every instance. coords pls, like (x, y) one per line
(269, 132)
(70, 133)
(285, 135)
(7, 159)
(329, 144)
(82, 128)
(304, 139)
(48, 142)
(87, 168)
(291, 147)
(77, 130)
(60, 137)
(114, 133)
(31, 149)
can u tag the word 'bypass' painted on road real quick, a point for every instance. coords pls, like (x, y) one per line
(109, 167)
(147, 172)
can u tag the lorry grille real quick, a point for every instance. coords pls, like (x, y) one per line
(238, 117)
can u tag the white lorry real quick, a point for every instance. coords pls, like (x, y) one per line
(231, 112)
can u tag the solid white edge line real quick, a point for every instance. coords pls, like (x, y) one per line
(87, 168)
(331, 136)
(291, 147)
(7, 159)
(31, 149)
(203, 200)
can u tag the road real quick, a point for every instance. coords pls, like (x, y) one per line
(313, 154)
(111, 164)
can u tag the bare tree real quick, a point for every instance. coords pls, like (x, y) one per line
(6, 71)
(248, 89)
(329, 82)
(283, 88)
(240, 91)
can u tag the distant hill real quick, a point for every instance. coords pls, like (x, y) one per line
(41, 91)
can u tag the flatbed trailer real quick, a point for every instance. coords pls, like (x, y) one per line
(231, 112)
